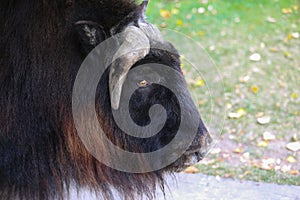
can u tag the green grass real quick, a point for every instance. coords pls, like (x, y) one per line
(231, 31)
(249, 173)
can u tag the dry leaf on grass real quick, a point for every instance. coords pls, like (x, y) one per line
(262, 144)
(165, 13)
(293, 146)
(255, 57)
(254, 89)
(286, 11)
(191, 170)
(264, 120)
(235, 115)
(271, 19)
(238, 150)
(290, 159)
(268, 136)
(294, 172)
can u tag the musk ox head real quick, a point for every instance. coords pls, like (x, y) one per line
(49, 140)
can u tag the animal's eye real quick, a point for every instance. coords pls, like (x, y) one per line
(143, 83)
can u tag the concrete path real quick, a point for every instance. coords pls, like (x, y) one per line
(202, 187)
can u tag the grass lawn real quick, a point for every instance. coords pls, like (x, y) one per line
(255, 46)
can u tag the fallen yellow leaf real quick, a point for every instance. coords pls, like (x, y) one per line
(242, 111)
(287, 54)
(273, 49)
(294, 172)
(228, 105)
(294, 95)
(262, 144)
(182, 58)
(238, 150)
(286, 10)
(165, 13)
(191, 170)
(235, 115)
(290, 159)
(290, 36)
(201, 33)
(199, 83)
(175, 11)
(179, 22)
(254, 89)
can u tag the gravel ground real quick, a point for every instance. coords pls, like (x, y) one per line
(203, 187)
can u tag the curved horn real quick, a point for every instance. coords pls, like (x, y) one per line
(136, 46)
(151, 31)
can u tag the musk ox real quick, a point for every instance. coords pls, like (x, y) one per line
(43, 44)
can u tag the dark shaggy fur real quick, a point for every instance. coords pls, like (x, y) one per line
(41, 155)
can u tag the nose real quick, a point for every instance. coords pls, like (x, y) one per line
(206, 144)
(200, 144)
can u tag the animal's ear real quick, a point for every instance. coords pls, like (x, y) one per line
(143, 8)
(90, 34)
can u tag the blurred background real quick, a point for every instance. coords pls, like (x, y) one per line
(255, 46)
